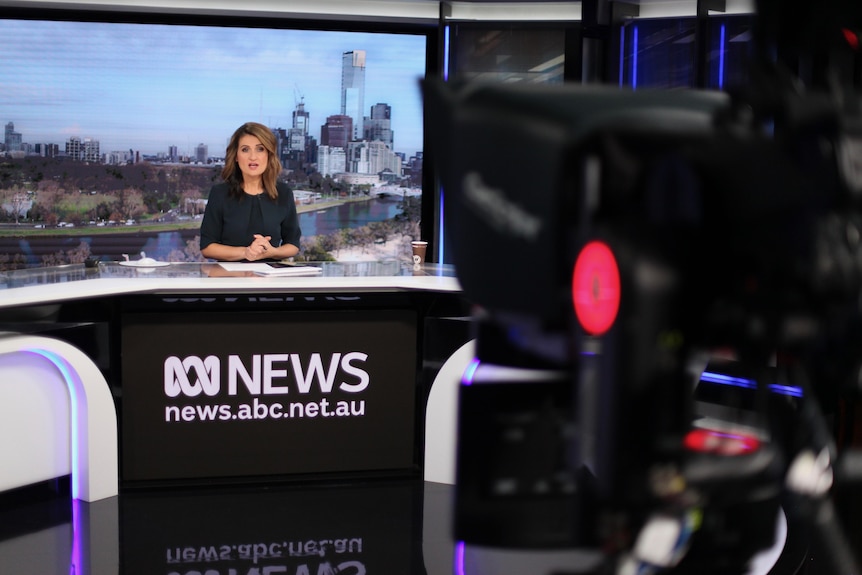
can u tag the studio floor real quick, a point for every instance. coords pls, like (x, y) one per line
(378, 527)
(383, 527)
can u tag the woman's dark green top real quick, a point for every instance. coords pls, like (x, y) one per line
(234, 221)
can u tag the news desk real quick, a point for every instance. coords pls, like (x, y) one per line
(203, 375)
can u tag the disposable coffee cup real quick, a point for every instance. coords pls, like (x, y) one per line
(419, 248)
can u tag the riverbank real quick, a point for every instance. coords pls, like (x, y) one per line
(146, 226)
(326, 204)
(396, 248)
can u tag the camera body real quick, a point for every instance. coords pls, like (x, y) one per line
(614, 244)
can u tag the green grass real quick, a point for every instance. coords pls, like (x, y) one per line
(27, 229)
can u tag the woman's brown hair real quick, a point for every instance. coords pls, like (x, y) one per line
(231, 172)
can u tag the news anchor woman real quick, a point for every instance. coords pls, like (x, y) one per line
(250, 216)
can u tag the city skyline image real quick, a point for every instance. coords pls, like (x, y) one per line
(148, 87)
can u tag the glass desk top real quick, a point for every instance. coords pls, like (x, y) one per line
(113, 270)
(52, 285)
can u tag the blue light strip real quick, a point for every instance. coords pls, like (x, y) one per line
(721, 50)
(459, 558)
(76, 566)
(446, 53)
(723, 379)
(76, 559)
(470, 372)
(69, 380)
(622, 55)
(635, 58)
(441, 227)
(728, 380)
(786, 390)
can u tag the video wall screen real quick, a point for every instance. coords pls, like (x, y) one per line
(659, 53)
(114, 132)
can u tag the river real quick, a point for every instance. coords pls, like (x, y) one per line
(159, 245)
(349, 215)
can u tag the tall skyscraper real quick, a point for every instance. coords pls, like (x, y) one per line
(297, 134)
(300, 119)
(372, 158)
(330, 161)
(353, 89)
(90, 151)
(202, 153)
(378, 128)
(12, 139)
(295, 149)
(73, 148)
(336, 131)
(280, 143)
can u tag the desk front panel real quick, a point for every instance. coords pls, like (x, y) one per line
(233, 394)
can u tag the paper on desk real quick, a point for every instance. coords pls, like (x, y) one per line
(268, 270)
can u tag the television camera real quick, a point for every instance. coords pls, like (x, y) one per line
(668, 296)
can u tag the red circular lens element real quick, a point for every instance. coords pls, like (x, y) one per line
(851, 37)
(710, 441)
(596, 288)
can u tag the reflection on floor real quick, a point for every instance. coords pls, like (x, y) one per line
(388, 527)
(381, 527)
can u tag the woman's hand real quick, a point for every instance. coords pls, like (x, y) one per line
(259, 248)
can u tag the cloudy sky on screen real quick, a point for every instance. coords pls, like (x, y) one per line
(147, 87)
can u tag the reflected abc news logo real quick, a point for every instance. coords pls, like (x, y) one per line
(266, 375)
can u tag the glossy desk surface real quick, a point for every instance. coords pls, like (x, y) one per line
(38, 286)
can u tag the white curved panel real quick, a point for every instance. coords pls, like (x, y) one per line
(441, 416)
(41, 377)
(34, 421)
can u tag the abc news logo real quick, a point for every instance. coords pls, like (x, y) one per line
(266, 374)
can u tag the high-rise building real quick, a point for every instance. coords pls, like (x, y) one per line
(47, 150)
(294, 144)
(119, 157)
(413, 169)
(336, 132)
(202, 153)
(310, 149)
(73, 148)
(330, 161)
(353, 89)
(378, 127)
(86, 150)
(372, 158)
(90, 151)
(173, 154)
(296, 140)
(12, 139)
(280, 143)
(300, 120)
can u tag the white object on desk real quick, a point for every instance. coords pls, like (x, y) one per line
(265, 269)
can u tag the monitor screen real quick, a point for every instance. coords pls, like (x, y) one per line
(115, 129)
